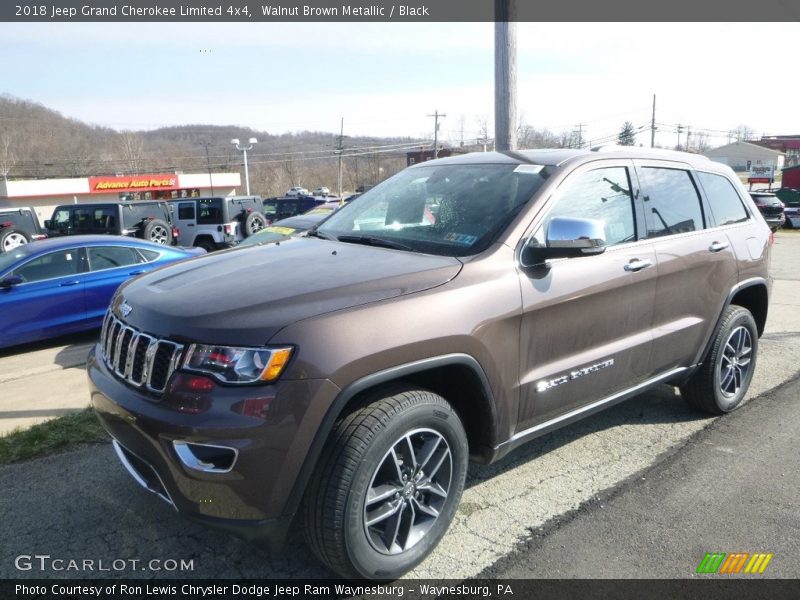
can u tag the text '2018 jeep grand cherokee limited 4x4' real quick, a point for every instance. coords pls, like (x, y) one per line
(457, 310)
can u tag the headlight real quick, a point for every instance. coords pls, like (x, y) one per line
(237, 365)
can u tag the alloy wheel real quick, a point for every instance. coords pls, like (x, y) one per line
(407, 491)
(735, 361)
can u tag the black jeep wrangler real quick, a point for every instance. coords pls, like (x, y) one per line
(147, 220)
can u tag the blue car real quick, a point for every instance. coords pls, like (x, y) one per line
(63, 285)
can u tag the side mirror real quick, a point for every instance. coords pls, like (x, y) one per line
(10, 281)
(567, 237)
(48, 224)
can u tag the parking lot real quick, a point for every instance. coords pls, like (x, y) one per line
(82, 505)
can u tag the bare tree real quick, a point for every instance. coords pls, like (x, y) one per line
(6, 156)
(131, 147)
(744, 133)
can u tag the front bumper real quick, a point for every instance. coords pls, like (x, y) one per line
(257, 496)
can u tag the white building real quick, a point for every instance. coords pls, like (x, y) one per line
(743, 157)
(43, 195)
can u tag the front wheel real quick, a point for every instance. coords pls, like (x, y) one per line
(388, 486)
(720, 384)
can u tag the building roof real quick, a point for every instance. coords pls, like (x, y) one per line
(723, 149)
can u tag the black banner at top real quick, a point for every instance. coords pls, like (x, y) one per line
(396, 10)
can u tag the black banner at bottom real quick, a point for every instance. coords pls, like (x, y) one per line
(707, 588)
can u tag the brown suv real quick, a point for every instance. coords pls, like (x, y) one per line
(455, 311)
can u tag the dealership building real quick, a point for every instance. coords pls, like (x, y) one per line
(43, 195)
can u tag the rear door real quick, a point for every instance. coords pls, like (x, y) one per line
(50, 300)
(586, 325)
(696, 264)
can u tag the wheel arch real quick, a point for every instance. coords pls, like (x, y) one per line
(458, 378)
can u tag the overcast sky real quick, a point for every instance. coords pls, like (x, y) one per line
(385, 78)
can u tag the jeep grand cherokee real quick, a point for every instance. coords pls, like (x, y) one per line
(459, 309)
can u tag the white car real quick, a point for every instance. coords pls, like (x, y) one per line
(298, 191)
(321, 191)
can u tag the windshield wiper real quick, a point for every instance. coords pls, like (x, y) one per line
(374, 241)
(315, 233)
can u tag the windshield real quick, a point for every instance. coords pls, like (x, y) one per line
(450, 210)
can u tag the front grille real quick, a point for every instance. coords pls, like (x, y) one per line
(771, 211)
(137, 358)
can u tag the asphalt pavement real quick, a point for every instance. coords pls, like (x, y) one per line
(733, 488)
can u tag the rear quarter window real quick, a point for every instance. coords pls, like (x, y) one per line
(726, 205)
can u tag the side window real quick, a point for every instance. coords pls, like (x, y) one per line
(111, 257)
(61, 219)
(104, 219)
(210, 211)
(671, 203)
(726, 205)
(82, 219)
(186, 211)
(603, 195)
(149, 255)
(56, 264)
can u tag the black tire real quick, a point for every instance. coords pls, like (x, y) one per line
(721, 383)
(205, 243)
(366, 452)
(157, 231)
(12, 238)
(253, 223)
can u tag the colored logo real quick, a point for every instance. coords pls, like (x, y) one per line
(735, 562)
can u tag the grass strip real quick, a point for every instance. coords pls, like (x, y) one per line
(51, 436)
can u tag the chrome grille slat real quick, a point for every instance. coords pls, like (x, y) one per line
(121, 347)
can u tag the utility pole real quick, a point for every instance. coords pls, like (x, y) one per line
(339, 148)
(688, 136)
(579, 141)
(436, 115)
(505, 75)
(653, 125)
(680, 129)
(208, 162)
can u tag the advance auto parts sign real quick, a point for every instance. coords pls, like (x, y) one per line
(133, 183)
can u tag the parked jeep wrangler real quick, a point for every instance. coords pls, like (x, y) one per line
(150, 221)
(220, 222)
(18, 226)
(500, 296)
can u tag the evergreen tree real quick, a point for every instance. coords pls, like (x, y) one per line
(627, 137)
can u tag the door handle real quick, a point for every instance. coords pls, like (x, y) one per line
(638, 265)
(69, 283)
(190, 224)
(718, 246)
(138, 272)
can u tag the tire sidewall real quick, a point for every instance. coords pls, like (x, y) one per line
(151, 225)
(741, 318)
(8, 233)
(365, 559)
(250, 219)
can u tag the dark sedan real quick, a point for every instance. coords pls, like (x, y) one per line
(63, 285)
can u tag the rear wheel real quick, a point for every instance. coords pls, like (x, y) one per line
(721, 382)
(388, 486)
(13, 238)
(206, 244)
(157, 231)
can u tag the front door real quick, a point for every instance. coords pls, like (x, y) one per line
(586, 326)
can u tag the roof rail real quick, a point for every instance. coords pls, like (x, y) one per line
(665, 151)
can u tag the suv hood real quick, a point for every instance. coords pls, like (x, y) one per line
(244, 296)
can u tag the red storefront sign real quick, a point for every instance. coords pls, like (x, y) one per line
(133, 183)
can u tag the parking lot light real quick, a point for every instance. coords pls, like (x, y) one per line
(251, 142)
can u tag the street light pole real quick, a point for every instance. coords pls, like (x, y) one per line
(251, 141)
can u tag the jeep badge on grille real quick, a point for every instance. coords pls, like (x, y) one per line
(125, 309)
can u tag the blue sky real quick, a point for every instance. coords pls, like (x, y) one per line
(385, 78)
